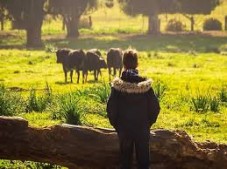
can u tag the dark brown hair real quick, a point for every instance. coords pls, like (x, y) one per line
(130, 59)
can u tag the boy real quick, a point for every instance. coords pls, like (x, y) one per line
(132, 108)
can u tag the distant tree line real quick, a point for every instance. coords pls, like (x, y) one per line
(29, 14)
(152, 8)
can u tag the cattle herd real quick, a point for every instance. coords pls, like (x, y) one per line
(91, 60)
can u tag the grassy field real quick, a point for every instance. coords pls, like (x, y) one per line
(183, 73)
(189, 71)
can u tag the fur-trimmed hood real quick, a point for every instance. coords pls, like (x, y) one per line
(128, 87)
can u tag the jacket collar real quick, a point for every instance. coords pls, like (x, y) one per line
(128, 87)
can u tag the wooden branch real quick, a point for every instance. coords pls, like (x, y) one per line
(73, 146)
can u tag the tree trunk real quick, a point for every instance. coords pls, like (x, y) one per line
(226, 23)
(153, 24)
(2, 24)
(192, 20)
(73, 146)
(2, 17)
(72, 25)
(63, 24)
(34, 36)
(34, 23)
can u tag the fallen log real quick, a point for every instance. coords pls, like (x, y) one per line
(97, 148)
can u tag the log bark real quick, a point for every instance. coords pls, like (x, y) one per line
(80, 146)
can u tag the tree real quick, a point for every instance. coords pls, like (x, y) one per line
(152, 8)
(28, 15)
(71, 11)
(97, 148)
(191, 7)
(3, 13)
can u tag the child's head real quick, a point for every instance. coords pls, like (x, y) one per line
(130, 59)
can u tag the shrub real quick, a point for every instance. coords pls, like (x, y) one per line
(10, 103)
(85, 22)
(50, 48)
(109, 3)
(212, 24)
(175, 26)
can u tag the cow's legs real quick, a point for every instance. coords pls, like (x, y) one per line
(99, 73)
(109, 73)
(71, 75)
(85, 74)
(78, 75)
(96, 75)
(65, 72)
(120, 72)
(115, 72)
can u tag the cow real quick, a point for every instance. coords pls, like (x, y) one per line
(63, 57)
(94, 62)
(77, 62)
(71, 60)
(114, 60)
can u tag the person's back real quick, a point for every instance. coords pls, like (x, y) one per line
(132, 108)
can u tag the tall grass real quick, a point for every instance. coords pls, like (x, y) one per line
(100, 92)
(13, 164)
(200, 103)
(68, 109)
(214, 104)
(223, 94)
(160, 89)
(205, 102)
(39, 103)
(10, 103)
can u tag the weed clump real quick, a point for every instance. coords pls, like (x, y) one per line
(68, 109)
(39, 103)
(10, 103)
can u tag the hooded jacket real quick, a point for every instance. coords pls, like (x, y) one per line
(132, 106)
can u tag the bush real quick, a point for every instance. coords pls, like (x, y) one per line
(175, 26)
(10, 103)
(109, 3)
(85, 22)
(212, 24)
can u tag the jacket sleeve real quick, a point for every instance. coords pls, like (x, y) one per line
(153, 107)
(112, 107)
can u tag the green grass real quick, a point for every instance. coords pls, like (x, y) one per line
(26, 70)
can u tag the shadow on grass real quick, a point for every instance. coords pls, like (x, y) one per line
(181, 42)
(163, 42)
